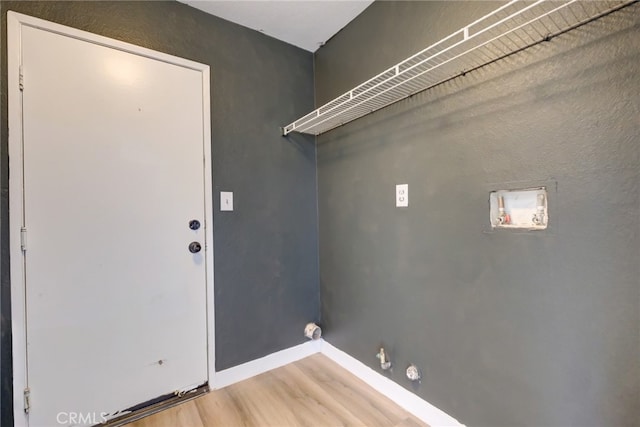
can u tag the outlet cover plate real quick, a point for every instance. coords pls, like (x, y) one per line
(402, 195)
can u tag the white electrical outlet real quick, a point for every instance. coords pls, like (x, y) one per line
(226, 200)
(402, 195)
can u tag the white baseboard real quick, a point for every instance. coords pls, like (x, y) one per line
(401, 396)
(266, 363)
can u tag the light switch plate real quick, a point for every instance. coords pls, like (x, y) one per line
(226, 200)
(402, 195)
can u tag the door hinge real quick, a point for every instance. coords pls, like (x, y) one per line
(27, 400)
(21, 78)
(23, 239)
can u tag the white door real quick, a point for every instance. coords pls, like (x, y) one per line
(116, 308)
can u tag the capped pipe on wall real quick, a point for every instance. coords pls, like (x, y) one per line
(312, 331)
(413, 373)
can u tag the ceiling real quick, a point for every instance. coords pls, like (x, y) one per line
(304, 23)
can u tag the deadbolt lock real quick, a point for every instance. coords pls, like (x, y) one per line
(194, 247)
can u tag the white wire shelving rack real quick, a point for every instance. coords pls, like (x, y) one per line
(510, 28)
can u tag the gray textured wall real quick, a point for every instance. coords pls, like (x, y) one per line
(509, 329)
(266, 272)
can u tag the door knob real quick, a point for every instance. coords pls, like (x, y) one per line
(194, 247)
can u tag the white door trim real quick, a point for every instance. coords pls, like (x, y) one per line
(15, 21)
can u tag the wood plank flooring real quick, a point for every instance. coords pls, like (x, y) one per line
(311, 392)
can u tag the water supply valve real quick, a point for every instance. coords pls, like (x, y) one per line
(538, 217)
(385, 364)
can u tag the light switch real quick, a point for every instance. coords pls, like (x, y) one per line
(226, 200)
(402, 195)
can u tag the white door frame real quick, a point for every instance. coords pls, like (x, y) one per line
(15, 21)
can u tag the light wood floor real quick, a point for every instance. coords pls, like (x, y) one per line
(311, 392)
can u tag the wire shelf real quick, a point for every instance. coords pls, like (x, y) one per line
(512, 27)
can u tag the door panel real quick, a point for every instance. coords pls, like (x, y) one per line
(113, 173)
